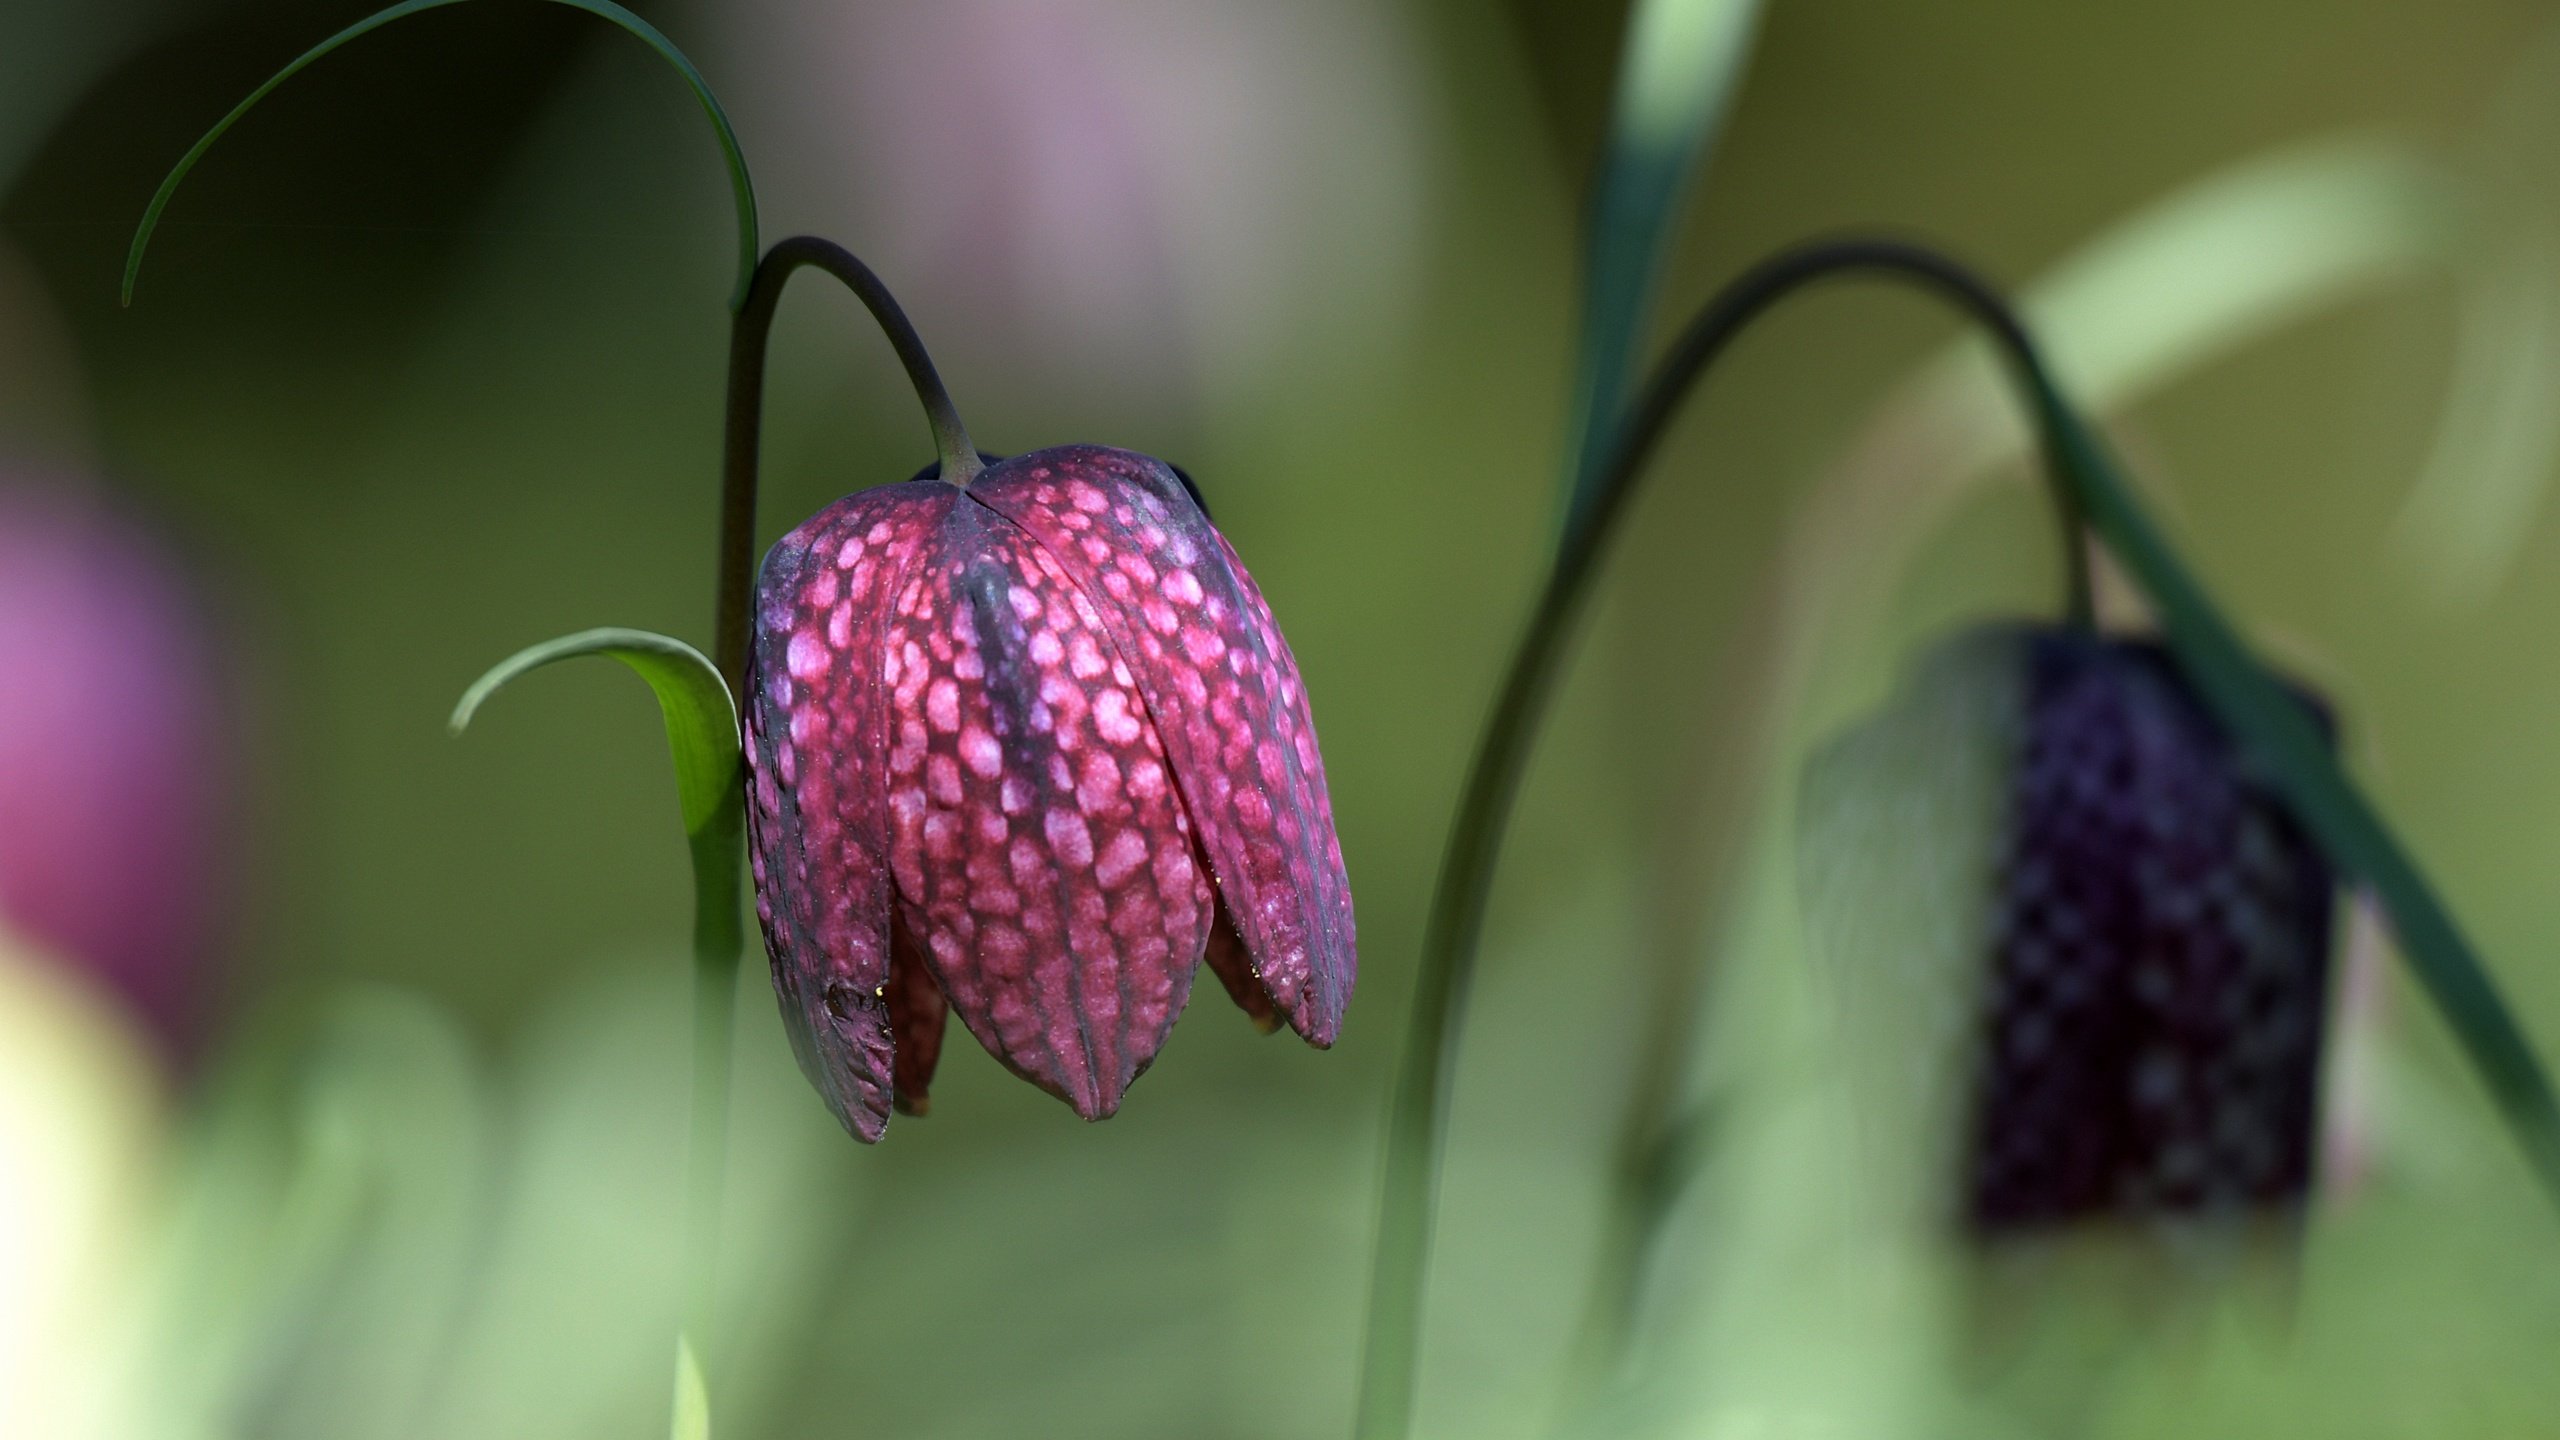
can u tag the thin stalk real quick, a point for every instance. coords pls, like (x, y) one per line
(719, 843)
(718, 936)
(750, 329)
(1417, 1121)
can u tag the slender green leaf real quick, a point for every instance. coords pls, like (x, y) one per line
(2216, 266)
(2472, 507)
(702, 724)
(2182, 283)
(319, 1242)
(2229, 259)
(692, 1420)
(2245, 697)
(2187, 280)
(702, 735)
(741, 187)
(1675, 82)
(2463, 525)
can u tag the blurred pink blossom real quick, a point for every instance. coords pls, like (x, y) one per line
(1170, 196)
(112, 757)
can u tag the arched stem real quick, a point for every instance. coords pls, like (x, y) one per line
(1418, 1118)
(742, 444)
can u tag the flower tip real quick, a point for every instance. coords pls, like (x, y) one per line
(863, 1124)
(914, 1107)
(844, 1047)
(1319, 1030)
(1265, 1023)
(1094, 1104)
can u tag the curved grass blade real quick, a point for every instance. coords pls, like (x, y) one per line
(742, 188)
(2236, 255)
(702, 736)
(2244, 696)
(2472, 509)
(2461, 530)
(702, 723)
(692, 1410)
(1675, 82)
(2204, 271)
(319, 1240)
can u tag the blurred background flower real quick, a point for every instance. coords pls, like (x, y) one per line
(82, 1129)
(1118, 203)
(115, 764)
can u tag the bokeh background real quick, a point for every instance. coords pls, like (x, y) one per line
(427, 365)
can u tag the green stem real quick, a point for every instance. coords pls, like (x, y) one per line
(1418, 1119)
(2084, 485)
(718, 850)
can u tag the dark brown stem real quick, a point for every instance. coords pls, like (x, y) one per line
(742, 443)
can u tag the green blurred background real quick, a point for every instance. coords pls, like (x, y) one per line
(426, 367)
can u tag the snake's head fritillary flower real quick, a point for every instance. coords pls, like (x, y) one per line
(2159, 963)
(1029, 749)
(2145, 931)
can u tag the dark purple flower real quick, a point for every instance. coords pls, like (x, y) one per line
(1030, 749)
(2160, 960)
(2152, 953)
(111, 755)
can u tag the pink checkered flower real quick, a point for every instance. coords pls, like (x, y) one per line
(1030, 748)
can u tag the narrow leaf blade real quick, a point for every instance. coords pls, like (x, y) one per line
(702, 723)
(1676, 80)
(2246, 698)
(692, 1412)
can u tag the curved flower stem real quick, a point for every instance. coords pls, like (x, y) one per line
(2238, 691)
(742, 444)
(719, 847)
(1418, 1119)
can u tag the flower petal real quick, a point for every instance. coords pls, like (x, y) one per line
(917, 1013)
(817, 799)
(1234, 966)
(1224, 691)
(2160, 964)
(1038, 845)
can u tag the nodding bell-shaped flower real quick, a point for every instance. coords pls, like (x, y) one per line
(2137, 932)
(1029, 748)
